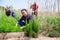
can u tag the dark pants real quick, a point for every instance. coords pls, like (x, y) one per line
(14, 15)
(33, 13)
(21, 23)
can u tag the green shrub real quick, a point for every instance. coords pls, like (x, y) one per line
(32, 29)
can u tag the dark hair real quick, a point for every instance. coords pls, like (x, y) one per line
(24, 10)
(6, 8)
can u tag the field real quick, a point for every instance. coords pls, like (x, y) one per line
(47, 24)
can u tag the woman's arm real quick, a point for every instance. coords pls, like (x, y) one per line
(19, 21)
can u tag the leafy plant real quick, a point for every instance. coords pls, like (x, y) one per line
(8, 24)
(32, 29)
(53, 26)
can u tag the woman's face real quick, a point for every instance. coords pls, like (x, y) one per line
(24, 13)
(6, 9)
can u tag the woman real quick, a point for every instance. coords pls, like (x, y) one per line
(25, 17)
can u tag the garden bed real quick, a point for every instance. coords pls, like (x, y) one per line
(49, 25)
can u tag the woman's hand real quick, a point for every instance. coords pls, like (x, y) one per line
(16, 24)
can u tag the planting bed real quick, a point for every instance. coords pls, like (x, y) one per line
(43, 28)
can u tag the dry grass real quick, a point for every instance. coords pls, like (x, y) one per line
(49, 14)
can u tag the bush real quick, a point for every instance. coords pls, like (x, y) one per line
(32, 29)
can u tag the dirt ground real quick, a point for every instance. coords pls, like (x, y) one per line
(39, 38)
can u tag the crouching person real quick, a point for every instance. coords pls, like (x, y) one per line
(25, 17)
(10, 13)
(34, 8)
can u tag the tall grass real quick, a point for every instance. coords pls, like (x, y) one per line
(8, 24)
(54, 29)
(51, 25)
(32, 29)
